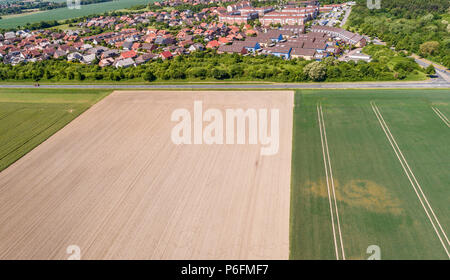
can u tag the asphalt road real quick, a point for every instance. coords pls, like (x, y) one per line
(347, 14)
(443, 75)
(434, 83)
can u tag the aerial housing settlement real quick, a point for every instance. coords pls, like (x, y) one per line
(302, 29)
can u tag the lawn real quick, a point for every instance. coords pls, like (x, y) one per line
(66, 13)
(30, 116)
(376, 202)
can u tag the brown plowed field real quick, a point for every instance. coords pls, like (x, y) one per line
(113, 183)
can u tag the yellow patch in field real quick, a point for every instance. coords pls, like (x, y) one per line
(360, 193)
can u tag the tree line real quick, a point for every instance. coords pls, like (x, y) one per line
(210, 66)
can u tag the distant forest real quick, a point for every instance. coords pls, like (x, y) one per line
(416, 26)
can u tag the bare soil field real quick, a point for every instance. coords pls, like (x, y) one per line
(113, 183)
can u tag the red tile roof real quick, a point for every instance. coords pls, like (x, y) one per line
(128, 54)
(212, 44)
(166, 54)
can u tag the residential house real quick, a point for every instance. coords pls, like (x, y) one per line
(149, 47)
(126, 45)
(145, 57)
(74, 56)
(212, 44)
(124, 63)
(59, 54)
(320, 47)
(166, 55)
(342, 34)
(307, 54)
(106, 62)
(128, 54)
(109, 54)
(282, 51)
(88, 59)
(196, 47)
(235, 48)
(250, 45)
(185, 43)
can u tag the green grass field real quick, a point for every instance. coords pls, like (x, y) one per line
(376, 202)
(66, 13)
(30, 116)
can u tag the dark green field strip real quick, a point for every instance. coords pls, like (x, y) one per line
(425, 142)
(377, 204)
(29, 117)
(444, 109)
(311, 234)
(442, 112)
(6, 112)
(29, 127)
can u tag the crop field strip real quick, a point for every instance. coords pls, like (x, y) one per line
(28, 117)
(441, 116)
(329, 178)
(376, 202)
(413, 180)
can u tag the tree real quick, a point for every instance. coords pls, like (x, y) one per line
(177, 74)
(219, 74)
(429, 48)
(316, 71)
(70, 75)
(198, 72)
(430, 70)
(149, 76)
(236, 71)
(329, 61)
(98, 76)
(48, 75)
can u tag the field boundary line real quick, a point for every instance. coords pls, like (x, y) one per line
(329, 178)
(410, 175)
(441, 116)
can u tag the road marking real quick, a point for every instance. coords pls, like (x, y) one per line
(441, 116)
(329, 179)
(412, 179)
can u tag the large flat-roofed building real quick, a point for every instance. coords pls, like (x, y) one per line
(295, 29)
(236, 18)
(304, 3)
(283, 19)
(307, 54)
(238, 6)
(290, 15)
(261, 11)
(311, 12)
(243, 12)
